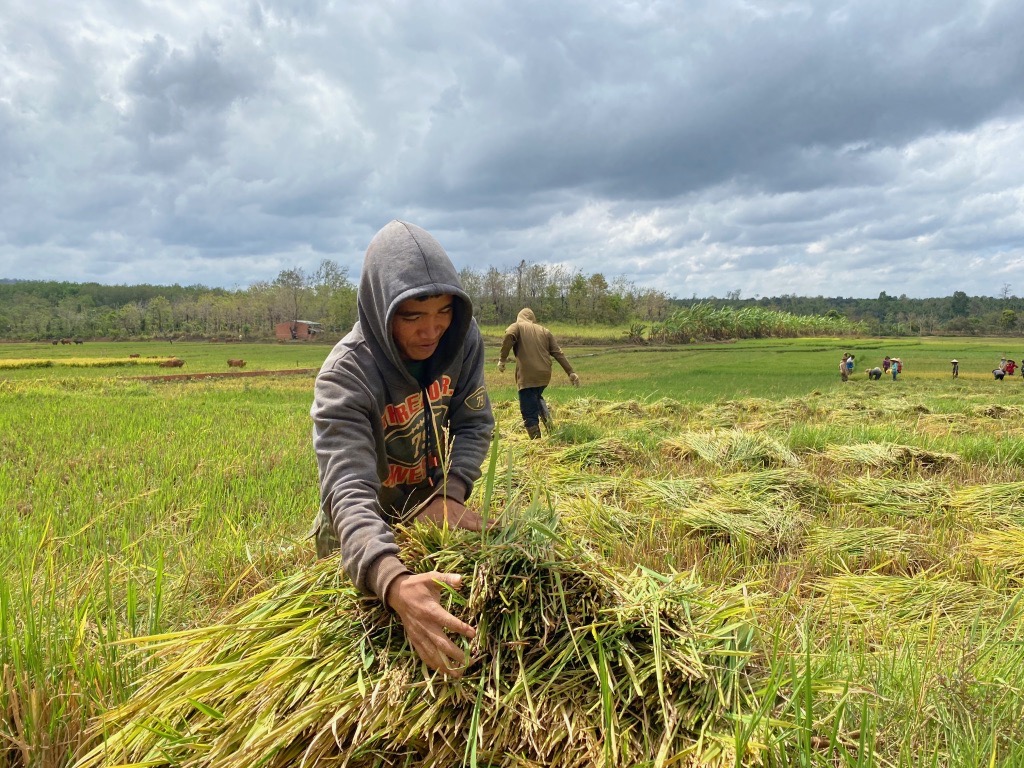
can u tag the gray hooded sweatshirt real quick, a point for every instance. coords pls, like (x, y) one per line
(382, 437)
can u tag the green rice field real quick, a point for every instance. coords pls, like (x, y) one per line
(754, 562)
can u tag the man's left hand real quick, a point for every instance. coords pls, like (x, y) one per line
(442, 510)
(501, 366)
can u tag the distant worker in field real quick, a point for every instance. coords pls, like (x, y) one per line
(886, 364)
(1011, 366)
(998, 373)
(875, 373)
(896, 366)
(844, 372)
(401, 427)
(533, 346)
(956, 368)
(849, 365)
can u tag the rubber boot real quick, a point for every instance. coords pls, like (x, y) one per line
(533, 430)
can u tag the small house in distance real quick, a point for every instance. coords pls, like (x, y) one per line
(299, 330)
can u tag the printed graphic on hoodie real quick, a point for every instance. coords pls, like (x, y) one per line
(406, 429)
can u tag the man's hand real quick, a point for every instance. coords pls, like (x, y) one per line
(575, 379)
(501, 366)
(443, 510)
(416, 599)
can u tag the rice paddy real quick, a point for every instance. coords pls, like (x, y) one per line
(827, 579)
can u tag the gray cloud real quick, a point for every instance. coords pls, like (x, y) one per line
(772, 147)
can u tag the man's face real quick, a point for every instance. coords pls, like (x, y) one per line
(419, 324)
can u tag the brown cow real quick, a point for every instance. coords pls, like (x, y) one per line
(135, 355)
(172, 363)
(55, 342)
(236, 363)
(65, 341)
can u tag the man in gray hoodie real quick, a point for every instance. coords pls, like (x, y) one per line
(401, 427)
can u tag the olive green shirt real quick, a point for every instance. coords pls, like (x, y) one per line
(534, 346)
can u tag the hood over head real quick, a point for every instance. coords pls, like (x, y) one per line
(402, 262)
(526, 315)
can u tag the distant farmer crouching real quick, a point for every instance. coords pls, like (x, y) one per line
(875, 373)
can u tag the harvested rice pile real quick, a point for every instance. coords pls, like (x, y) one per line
(574, 664)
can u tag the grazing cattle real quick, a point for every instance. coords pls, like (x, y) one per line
(172, 363)
(236, 363)
(79, 341)
(65, 341)
(55, 342)
(135, 355)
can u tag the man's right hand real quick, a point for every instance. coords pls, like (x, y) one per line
(501, 366)
(416, 598)
(575, 379)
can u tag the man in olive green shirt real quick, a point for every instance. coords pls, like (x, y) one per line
(534, 347)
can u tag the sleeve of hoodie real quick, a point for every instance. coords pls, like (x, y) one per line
(346, 454)
(472, 423)
(556, 352)
(508, 343)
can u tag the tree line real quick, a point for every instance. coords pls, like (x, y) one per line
(40, 310)
(46, 310)
(887, 315)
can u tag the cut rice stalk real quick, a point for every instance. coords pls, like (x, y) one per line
(574, 664)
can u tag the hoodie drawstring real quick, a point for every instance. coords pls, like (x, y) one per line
(430, 438)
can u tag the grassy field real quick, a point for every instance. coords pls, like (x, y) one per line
(875, 529)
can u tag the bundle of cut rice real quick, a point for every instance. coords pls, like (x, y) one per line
(826, 544)
(991, 501)
(893, 496)
(890, 456)
(574, 664)
(908, 603)
(730, 448)
(603, 453)
(1003, 550)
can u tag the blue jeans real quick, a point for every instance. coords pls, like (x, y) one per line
(529, 405)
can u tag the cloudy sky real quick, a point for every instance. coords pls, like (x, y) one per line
(812, 147)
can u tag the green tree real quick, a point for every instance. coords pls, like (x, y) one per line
(334, 297)
(131, 318)
(577, 298)
(497, 292)
(158, 314)
(597, 290)
(292, 287)
(960, 305)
